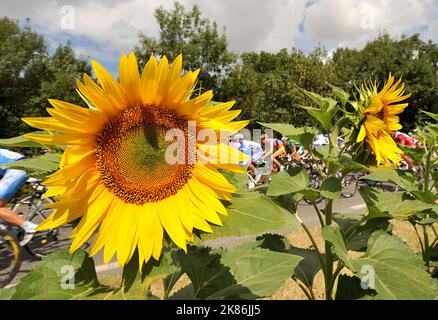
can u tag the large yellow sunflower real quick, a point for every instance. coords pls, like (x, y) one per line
(381, 120)
(114, 173)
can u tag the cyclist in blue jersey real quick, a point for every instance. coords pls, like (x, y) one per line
(11, 181)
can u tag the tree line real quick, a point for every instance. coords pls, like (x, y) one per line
(266, 85)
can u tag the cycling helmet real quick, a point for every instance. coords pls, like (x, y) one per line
(238, 137)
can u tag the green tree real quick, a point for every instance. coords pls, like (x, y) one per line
(267, 85)
(23, 63)
(196, 38)
(410, 57)
(64, 68)
(29, 75)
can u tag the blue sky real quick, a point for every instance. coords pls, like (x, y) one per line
(103, 30)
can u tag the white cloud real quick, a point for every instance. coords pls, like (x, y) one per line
(432, 30)
(256, 24)
(112, 27)
(354, 22)
(250, 24)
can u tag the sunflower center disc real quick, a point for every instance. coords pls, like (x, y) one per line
(131, 155)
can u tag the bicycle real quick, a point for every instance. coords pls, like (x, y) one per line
(315, 175)
(33, 208)
(349, 184)
(261, 176)
(10, 257)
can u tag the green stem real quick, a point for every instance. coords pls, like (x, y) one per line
(303, 225)
(434, 231)
(434, 242)
(426, 245)
(169, 282)
(350, 232)
(166, 291)
(307, 291)
(318, 212)
(318, 167)
(328, 252)
(328, 211)
(427, 170)
(419, 238)
(342, 150)
(339, 268)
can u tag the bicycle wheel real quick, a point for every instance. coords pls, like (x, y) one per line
(315, 183)
(43, 243)
(10, 257)
(33, 209)
(349, 185)
(370, 183)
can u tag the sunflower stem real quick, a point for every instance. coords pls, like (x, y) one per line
(426, 245)
(427, 170)
(418, 236)
(328, 211)
(328, 252)
(307, 291)
(312, 240)
(318, 212)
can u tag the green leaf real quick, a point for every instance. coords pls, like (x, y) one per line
(326, 104)
(326, 111)
(243, 272)
(303, 135)
(20, 141)
(44, 280)
(432, 115)
(331, 188)
(133, 285)
(39, 166)
(130, 272)
(65, 276)
(359, 240)
(408, 181)
(306, 269)
(351, 288)
(340, 93)
(391, 175)
(165, 268)
(394, 205)
(348, 165)
(186, 293)
(323, 116)
(252, 214)
(322, 152)
(388, 266)
(293, 181)
(237, 179)
(288, 201)
(311, 194)
(7, 293)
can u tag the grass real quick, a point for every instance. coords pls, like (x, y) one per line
(290, 290)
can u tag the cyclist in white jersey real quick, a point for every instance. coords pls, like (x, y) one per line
(11, 181)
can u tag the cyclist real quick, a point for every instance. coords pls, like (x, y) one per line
(321, 140)
(247, 147)
(298, 149)
(11, 181)
(404, 139)
(275, 149)
(408, 141)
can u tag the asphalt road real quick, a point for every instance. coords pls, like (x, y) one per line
(305, 211)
